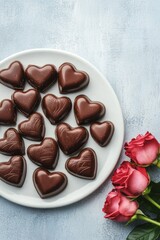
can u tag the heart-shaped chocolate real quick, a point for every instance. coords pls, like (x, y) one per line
(44, 154)
(26, 102)
(13, 76)
(33, 128)
(102, 132)
(87, 111)
(84, 165)
(12, 143)
(70, 79)
(71, 139)
(41, 77)
(8, 114)
(13, 172)
(56, 108)
(49, 184)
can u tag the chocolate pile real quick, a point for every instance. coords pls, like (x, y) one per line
(70, 140)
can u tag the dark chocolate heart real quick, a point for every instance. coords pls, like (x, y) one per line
(56, 108)
(26, 102)
(44, 154)
(84, 165)
(49, 184)
(70, 79)
(12, 143)
(41, 77)
(33, 128)
(71, 139)
(8, 114)
(13, 76)
(102, 132)
(13, 172)
(87, 111)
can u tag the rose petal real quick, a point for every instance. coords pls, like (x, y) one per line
(143, 149)
(114, 205)
(143, 171)
(147, 154)
(127, 207)
(121, 218)
(137, 183)
(112, 215)
(121, 175)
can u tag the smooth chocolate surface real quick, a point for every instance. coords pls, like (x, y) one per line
(44, 154)
(56, 108)
(12, 143)
(84, 165)
(70, 79)
(13, 76)
(26, 102)
(33, 128)
(8, 113)
(102, 132)
(49, 184)
(71, 139)
(87, 111)
(41, 77)
(13, 172)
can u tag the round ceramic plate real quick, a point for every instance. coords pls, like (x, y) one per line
(99, 90)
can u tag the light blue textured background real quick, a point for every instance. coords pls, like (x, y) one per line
(122, 39)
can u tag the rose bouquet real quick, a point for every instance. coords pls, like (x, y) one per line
(135, 196)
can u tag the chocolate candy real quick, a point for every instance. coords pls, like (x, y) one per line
(87, 111)
(26, 102)
(56, 108)
(71, 139)
(12, 143)
(13, 76)
(13, 172)
(41, 77)
(33, 128)
(102, 132)
(70, 79)
(84, 165)
(49, 184)
(44, 154)
(8, 114)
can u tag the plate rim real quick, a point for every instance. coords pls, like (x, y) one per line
(117, 155)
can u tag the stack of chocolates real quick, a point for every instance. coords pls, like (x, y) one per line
(70, 140)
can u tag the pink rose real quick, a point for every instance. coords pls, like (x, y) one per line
(118, 207)
(130, 179)
(143, 149)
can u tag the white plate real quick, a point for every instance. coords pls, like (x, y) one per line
(98, 89)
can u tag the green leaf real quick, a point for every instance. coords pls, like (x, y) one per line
(145, 231)
(155, 195)
(155, 187)
(146, 205)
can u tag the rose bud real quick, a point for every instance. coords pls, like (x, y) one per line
(130, 179)
(118, 207)
(143, 149)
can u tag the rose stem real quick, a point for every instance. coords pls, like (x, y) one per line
(144, 218)
(151, 201)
